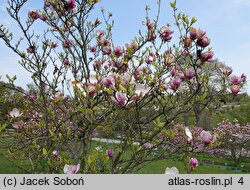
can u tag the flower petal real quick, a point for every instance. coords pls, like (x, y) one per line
(172, 170)
(188, 133)
(66, 169)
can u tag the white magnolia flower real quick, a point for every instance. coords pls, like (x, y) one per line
(172, 170)
(15, 113)
(188, 133)
(98, 148)
(141, 90)
(71, 169)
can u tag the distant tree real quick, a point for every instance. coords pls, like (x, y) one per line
(234, 140)
(214, 95)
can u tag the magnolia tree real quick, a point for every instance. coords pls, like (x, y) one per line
(234, 141)
(187, 142)
(87, 86)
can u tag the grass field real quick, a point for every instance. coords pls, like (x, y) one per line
(158, 167)
(207, 165)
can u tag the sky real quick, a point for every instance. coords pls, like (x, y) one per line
(225, 22)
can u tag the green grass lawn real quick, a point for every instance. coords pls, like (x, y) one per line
(7, 167)
(206, 166)
(158, 167)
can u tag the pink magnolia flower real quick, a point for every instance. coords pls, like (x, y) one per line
(120, 99)
(193, 162)
(227, 71)
(151, 58)
(33, 14)
(206, 137)
(71, 4)
(56, 153)
(118, 51)
(174, 85)
(54, 44)
(150, 25)
(168, 58)
(190, 73)
(91, 89)
(105, 42)
(151, 37)
(137, 73)
(36, 15)
(96, 65)
(110, 153)
(172, 170)
(243, 78)
(41, 16)
(193, 33)
(71, 169)
(235, 80)
(66, 62)
(204, 41)
(117, 64)
(200, 33)
(174, 72)
(15, 113)
(67, 43)
(106, 66)
(196, 33)
(136, 97)
(206, 56)
(187, 42)
(109, 81)
(133, 46)
(182, 76)
(99, 33)
(93, 49)
(106, 50)
(235, 89)
(165, 34)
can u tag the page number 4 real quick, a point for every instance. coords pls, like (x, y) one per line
(241, 181)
